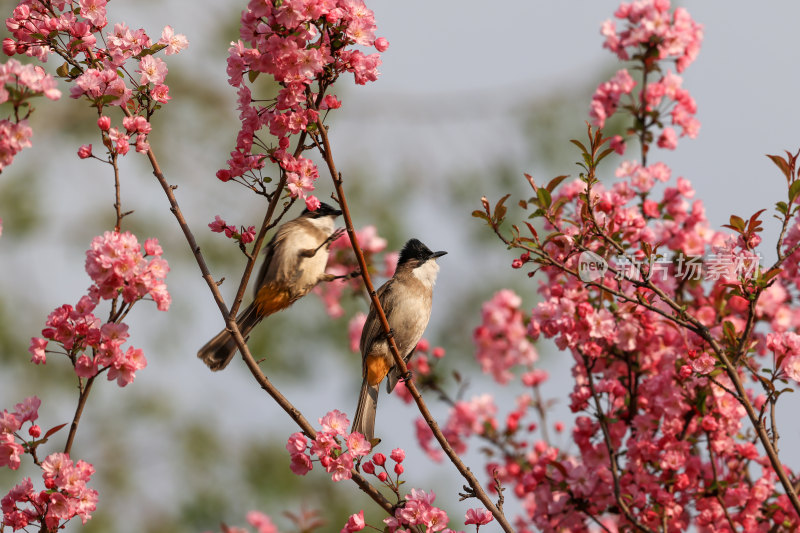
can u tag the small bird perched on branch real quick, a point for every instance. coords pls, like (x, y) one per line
(406, 300)
(294, 263)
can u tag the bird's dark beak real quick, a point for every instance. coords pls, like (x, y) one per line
(438, 254)
(336, 212)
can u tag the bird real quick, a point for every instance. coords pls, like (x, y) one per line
(406, 300)
(294, 262)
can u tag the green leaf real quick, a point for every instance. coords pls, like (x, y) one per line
(553, 183)
(480, 214)
(63, 70)
(544, 198)
(794, 190)
(252, 75)
(782, 164)
(500, 209)
(579, 145)
(559, 203)
(603, 154)
(782, 208)
(53, 430)
(730, 330)
(737, 223)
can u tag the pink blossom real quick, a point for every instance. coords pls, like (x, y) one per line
(501, 338)
(668, 139)
(300, 464)
(10, 451)
(606, 97)
(94, 11)
(791, 365)
(28, 409)
(354, 328)
(160, 93)
(341, 468)
(354, 523)
(219, 225)
(335, 422)
(37, 350)
(478, 517)
(381, 44)
(261, 522)
(703, 364)
(398, 455)
(312, 203)
(153, 70)
(174, 42)
(85, 151)
(358, 445)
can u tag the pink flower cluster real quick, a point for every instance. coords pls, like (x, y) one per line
(72, 29)
(466, 418)
(242, 235)
(92, 347)
(341, 262)
(657, 426)
(66, 494)
(299, 43)
(118, 268)
(10, 423)
(786, 347)
(607, 96)
(327, 447)
(651, 25)
(654, 35)
(418, 510)
(501, 339)
(116, 265)
(18, 84)
(378, 464)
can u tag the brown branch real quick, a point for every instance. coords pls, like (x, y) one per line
(473, 482)
(612, 451)
(73, 428)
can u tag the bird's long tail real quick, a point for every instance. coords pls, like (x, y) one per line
(364, 420)
(219, 351)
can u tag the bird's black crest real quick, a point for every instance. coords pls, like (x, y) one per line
(322, 211)
(414, 249)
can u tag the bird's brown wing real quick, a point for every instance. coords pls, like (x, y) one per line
(269, 253)
(373, 329)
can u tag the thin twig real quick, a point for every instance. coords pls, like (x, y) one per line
(73, 428)
(612, 451)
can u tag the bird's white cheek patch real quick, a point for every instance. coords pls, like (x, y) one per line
(427, 273)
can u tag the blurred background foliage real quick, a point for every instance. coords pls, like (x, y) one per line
(182, 449)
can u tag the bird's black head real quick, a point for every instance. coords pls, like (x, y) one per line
(324, 210)
(414, 249)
